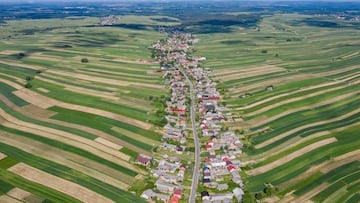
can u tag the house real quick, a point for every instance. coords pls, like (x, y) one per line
(147, 194)
(236, 178)
(212, 185)
(180, 149)
(206, 181)
(238, 193)
(207, 175)
(219, 178)
(218, 163)
(174, 199)
(174, 159)
(269, 88)
(143, 160)
(178, 193)
(230, 168)
(150, 194)
(165, 166)
(221, 197)
(220, 171)
(182, 167)
(167, 146)
(227, 201)
(206, 170)
(169, 178)
(201, 58)
(209, 145)
(236, 163)
(223, 187)
(164, 187)
(205, 195)
(226, 159)
(182, 140)
(181, 175)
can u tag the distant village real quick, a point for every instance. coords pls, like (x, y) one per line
(219, 174)
(109, 20)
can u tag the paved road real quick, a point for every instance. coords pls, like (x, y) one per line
(195, 178)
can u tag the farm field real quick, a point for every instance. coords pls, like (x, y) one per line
(293, 91)
(85, 114)
(81, 100)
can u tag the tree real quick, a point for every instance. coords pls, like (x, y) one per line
(28, 85)
(267, 191)
(28, 78)
(20, 55)
(84, 60)
(258, 195)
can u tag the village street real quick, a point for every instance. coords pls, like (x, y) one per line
(195, 179)
(180, 165)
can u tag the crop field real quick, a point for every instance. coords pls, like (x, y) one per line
(293, 91)
(79, 101)
(76, 108)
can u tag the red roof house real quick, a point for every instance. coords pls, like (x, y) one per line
(174, 199)
(230, 167)
(207, 160)
(143, 160)
(178, 193)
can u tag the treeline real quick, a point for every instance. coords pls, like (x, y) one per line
(213, 23)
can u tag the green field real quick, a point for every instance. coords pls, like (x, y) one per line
(46, 55)
(69, 87)
(314, 76)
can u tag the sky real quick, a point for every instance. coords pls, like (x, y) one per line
(34, 1)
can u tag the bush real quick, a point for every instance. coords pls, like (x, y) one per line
(20, 55)
(258, 195)
(28, 85)
(84, 60)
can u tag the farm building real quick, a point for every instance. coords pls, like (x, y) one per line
(143, 160)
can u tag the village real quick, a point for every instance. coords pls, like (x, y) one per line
(219, 159)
